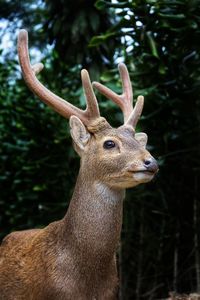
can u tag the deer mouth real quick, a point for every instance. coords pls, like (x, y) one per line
(151, 172)
(142, 171)
(142, 176)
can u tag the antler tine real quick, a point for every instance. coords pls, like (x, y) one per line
(92, 109)
(136, 113)
(124, 101)
(127, 87)
(61, 106)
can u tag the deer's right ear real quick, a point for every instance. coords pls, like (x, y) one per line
(79, 133)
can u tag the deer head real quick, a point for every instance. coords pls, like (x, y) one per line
(116, 157)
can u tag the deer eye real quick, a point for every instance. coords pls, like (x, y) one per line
(109, 144)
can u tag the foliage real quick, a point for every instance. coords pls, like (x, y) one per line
(70, 27)
(159, 41)
(31, 153)
(160, 44)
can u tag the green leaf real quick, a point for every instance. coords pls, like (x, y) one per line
(175, 16)
(97, 40)
(100, 4)
(152, 45)
(38, 188)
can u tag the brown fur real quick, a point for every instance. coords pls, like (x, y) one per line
(74, 258)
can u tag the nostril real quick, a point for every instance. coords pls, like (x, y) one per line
(151, 165)
(147, 162)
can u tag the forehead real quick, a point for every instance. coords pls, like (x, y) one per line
(123, 133)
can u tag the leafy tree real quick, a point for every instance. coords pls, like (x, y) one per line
(32, 152)
(160, 44)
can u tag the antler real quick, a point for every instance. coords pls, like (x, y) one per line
(58, 104)
(125, 100)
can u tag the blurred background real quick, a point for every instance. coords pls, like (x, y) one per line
(159, 40)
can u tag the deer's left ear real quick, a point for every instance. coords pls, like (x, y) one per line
(142, 138)
(79, 134)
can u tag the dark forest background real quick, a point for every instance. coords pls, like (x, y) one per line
(159, 40)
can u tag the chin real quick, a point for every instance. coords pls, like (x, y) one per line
(138, 178)
(142, 177)
(135, 179)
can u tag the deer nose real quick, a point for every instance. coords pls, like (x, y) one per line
(151, 164)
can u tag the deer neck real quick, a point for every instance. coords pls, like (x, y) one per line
(94, 217)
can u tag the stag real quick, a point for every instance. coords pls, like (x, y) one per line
(75, 258)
